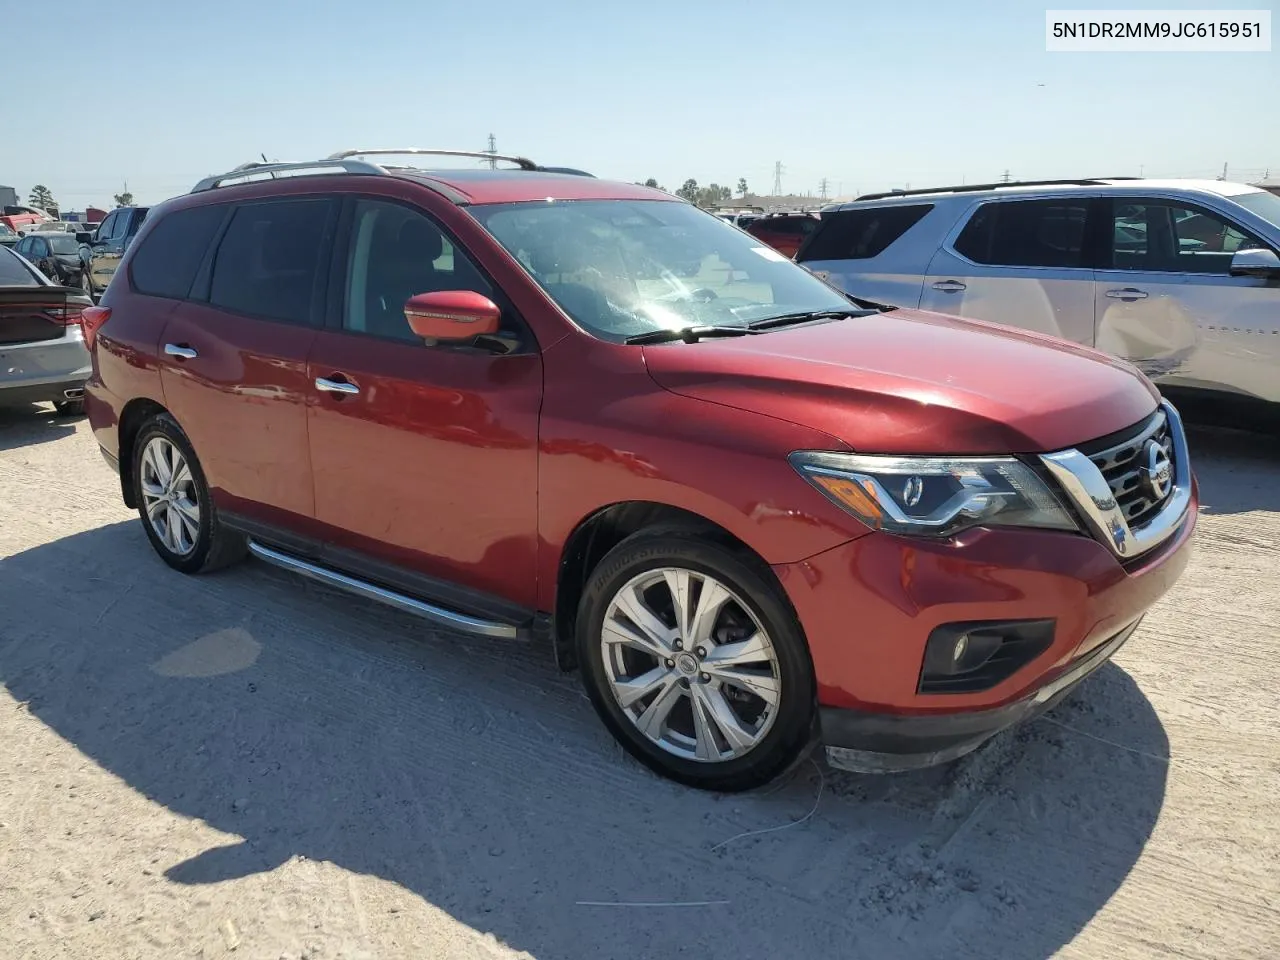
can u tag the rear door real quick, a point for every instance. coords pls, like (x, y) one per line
(234, 353)
(1166, 299)
(1024, 263)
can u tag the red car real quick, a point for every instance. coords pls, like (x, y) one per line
(754, 513)
(785, 232)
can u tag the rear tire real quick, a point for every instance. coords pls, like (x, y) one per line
(174, 503)
(711, 683)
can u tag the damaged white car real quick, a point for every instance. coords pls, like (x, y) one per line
(1180, 277)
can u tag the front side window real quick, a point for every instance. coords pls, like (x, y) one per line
(397, 253)
(268, 262)
(107, 230)
(620, 268)
(1026, 233)
(1165, 236)
(1263, 203)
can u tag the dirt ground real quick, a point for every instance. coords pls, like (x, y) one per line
(245, 765)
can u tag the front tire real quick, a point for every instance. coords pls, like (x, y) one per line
(174, 503)
(695, 662)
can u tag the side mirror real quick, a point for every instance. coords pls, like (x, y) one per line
(1255, 263)
(452, 315)
(82, 237)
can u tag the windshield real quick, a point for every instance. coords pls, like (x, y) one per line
(1264, 204)
(625, 267)
(63, 243)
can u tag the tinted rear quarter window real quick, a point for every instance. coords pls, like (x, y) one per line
(166, 263)
(861, 234)
(1026, 233)
(269, 259)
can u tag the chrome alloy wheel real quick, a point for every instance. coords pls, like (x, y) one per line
(169, 495)
(690, 665)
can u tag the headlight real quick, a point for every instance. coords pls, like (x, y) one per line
(934, 496)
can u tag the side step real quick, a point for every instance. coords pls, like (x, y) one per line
(370, 591)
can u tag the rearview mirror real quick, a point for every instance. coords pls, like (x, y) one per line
(452, 315)
(1255, 263)
(82, 237)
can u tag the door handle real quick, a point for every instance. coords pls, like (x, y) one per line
(949, 286)
(1127, 293)
(180, 350)
(336, 386)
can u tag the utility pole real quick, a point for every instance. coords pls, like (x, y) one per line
(1224, 172)
(1005, 178)
(493, 149)
(777, 179)
(822, 189)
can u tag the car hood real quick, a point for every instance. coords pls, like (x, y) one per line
(913, 382)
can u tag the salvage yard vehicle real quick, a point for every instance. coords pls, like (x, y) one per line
(102, 249)
(56, 255)
(42, 353)
(753, 512)
(1181, 277)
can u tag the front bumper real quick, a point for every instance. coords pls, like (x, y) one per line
(885, 743)
(869, 606)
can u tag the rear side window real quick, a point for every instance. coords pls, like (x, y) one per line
(1026, 233)
(861, 234)
(166, 263)
(268, 262)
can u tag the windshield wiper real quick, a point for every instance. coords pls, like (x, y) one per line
(691, 334)
(787, 319)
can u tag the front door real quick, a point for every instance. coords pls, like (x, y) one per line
(1167, 300)
(424, 456)
(1024, 263)
(234, 356)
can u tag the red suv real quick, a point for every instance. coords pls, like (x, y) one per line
(785, 232)
(753, 512)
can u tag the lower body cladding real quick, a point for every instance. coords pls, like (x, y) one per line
(924, 650)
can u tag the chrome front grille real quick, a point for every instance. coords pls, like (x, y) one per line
(1133, 489)
(1126, 468)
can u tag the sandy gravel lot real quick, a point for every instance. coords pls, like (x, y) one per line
(244, 765)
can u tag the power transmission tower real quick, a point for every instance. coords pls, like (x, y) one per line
(777, 179)
(493, 149)
(822, 189)
(1005, 178)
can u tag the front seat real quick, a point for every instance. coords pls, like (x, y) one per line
(402, 267)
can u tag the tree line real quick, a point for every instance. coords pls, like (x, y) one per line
(708, 196)
(41, 197)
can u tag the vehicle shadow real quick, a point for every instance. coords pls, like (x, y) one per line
(22, 426)
(1237, 469)
(477, 777)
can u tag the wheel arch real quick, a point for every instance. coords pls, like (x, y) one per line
(602, 530)
(135, 413)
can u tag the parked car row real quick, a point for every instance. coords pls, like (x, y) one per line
(1181, 278)
(755, 513)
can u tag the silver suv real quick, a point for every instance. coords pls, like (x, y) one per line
(1181, 277)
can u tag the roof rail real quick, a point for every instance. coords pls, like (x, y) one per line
(254, 169)
(977, 187)
(523, 163)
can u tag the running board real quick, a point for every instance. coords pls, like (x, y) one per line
(370, 591)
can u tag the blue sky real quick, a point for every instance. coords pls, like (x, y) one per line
(921, 93)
